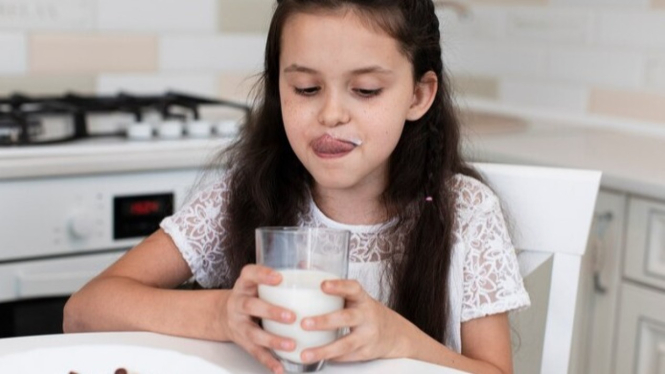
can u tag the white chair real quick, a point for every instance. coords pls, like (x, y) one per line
(549, 212)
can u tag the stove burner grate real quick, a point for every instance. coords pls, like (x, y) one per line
(21, 116)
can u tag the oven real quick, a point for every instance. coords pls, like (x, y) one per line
(57, 233)
(85, 178)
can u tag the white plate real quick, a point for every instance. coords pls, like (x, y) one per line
(105, 359)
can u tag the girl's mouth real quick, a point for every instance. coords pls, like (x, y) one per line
(327, 146)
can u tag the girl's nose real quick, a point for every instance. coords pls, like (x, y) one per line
(333, 113)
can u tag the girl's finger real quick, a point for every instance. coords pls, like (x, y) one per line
(349, 289)
(342, 318)
(256, 307)
(339, 348)
(265, 358)
(354, 356)
(253, 275)
(265, 339)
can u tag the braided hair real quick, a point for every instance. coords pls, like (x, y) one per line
(269, 186)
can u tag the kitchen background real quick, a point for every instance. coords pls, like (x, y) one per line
(586, 58)
(548, 66)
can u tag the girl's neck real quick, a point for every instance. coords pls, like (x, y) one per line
(351, 207)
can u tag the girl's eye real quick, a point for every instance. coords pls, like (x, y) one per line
(308, 91)
(368, 93)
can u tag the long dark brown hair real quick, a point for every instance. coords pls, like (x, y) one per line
(269, 186)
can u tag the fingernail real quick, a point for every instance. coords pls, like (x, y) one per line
(308, 356)
(286, 316)
(285, 344)
(328, 285)
(308, 323)
(274, 277)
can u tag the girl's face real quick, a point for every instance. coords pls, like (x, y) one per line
(346, 91)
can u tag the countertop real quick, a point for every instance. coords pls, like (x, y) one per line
(107, 155)
(630, 162)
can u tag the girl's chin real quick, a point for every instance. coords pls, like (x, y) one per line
(332, 185)
(334, 181)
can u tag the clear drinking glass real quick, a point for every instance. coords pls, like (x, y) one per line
(305, 257)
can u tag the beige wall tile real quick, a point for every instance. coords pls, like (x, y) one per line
(245, 15)
(658, 3)
(40, 84)
(72, 53)
(237, 86)
(467, 85)
(645, 106)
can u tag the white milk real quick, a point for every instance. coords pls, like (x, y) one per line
(300, 292)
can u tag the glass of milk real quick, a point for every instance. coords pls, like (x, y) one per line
(305, 256)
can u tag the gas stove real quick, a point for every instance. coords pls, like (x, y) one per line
(85, 178)
(39, 121)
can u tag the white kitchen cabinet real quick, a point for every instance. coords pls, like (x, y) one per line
(620, 318)
(600, 278)
(641, 331)
(641, 321)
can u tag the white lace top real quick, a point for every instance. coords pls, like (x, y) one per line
(484, 277)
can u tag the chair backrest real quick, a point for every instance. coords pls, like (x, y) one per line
(549, 211)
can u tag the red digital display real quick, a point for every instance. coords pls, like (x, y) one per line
(139, 215)
(145, 207)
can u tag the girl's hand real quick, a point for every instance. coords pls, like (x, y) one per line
(376, 330)
(243, 308)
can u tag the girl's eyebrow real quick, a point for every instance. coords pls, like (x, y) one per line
(293, 68)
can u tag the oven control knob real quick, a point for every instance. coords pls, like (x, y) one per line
(227, 128)
(81, 225)
(198, 129)
(139, 131)
(170, 129)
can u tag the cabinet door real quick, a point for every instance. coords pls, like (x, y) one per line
(641, 333)
(645, 242)
(600, 277)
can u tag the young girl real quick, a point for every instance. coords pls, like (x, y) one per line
(354, 129)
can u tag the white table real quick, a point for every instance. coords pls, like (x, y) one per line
(226, 355)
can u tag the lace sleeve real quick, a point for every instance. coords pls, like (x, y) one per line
(197, 230)
(492, 281)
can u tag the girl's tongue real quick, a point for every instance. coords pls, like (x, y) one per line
(327, 145)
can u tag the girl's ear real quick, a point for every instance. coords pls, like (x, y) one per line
(423, 96)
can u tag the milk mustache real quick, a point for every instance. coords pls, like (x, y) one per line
(300, 292)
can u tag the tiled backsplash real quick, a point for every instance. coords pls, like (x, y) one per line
(92, 54)
(583, 57)
(591, 58)
(208, 47)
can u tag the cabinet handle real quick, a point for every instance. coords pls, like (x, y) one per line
(603, 222)
(598, 284)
